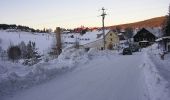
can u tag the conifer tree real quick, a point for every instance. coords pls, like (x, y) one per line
(167, 25)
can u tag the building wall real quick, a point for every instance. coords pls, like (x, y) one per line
(96, 44)
(112, 39)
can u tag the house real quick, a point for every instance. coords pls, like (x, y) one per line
(112, 40)
(164, 43)
(147, 36)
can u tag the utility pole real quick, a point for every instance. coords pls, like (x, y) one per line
(103, 27)
(58, 38)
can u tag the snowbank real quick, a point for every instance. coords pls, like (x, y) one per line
(14, 76)
(158, 85)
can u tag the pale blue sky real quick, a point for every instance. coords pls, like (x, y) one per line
(74, 13)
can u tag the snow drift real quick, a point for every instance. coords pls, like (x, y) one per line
(14, 76)
(157, 85)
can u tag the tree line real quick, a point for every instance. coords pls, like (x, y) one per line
(22, 28)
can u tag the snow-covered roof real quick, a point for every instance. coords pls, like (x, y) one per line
(157, 31)
(123, 41)
(162, 38)
(121, 36)
(91, 36)
(144, 41)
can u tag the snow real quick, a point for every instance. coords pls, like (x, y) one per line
(104, 77)
(162, 38)
(78, 74)
(92, 36)
(14, 76)
(92, 75)
(43, 40)
(157, 31)
(70, 38)
(143, 41)
(157, 73)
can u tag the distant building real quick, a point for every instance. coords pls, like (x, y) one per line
(164, 43)
(112, 40)
(147, 36)
(92, 39)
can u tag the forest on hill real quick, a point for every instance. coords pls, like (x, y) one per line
(153, 22)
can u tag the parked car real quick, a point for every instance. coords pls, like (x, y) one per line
(134, 48)
(127, 51)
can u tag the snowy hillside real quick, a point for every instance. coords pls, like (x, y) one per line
(43, 40)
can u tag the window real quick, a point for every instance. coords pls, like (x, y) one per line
(110, 34)
(111, 39)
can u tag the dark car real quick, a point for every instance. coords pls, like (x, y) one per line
(127, 51)
(134, 48)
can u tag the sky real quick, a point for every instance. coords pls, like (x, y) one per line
(41, 14)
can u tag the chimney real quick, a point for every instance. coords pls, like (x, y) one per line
(58, 37)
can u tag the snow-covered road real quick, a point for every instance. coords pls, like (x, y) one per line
(113, 77)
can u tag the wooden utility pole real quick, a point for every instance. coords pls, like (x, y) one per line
(58, 38)
(103, 27)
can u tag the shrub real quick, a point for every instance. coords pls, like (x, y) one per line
(31, 54)
(23, 49)
(14, 52)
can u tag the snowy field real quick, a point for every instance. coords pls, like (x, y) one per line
(43, 40)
